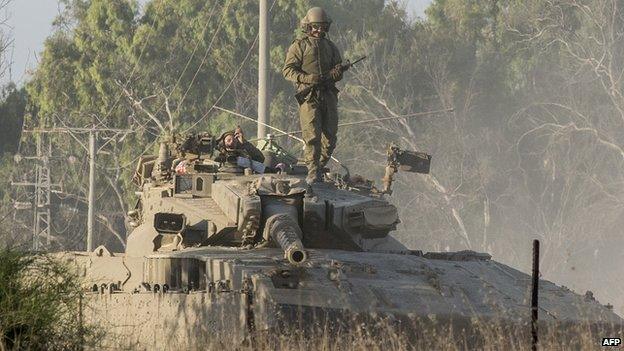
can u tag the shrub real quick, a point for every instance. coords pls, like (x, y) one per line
(40, 304)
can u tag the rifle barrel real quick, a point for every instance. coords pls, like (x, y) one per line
(358, 60)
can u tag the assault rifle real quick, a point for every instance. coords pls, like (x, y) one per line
(301, 96)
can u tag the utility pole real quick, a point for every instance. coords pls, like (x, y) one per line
(264, 100)
(91, 213)
(43, 185)
(42, 195)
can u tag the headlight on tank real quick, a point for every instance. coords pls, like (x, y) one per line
(169, 222)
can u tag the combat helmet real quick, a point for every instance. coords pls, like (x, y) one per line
(315, 15)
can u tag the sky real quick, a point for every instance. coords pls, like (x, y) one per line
(30, 22)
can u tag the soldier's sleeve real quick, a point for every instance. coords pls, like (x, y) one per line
(292, 66)
(336, 59)
(253, 152)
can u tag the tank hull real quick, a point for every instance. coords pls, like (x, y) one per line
(212, 293)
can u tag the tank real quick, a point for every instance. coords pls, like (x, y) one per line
(216, 249)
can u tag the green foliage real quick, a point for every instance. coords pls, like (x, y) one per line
(12, 107)
(40, 304)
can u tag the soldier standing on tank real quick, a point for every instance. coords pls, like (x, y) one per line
(314, 60)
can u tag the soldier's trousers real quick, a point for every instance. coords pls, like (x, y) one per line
(319, 125)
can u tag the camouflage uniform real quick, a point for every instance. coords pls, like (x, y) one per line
(318, 115)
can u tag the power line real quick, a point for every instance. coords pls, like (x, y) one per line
(43, 187)
(214, 106)
(259, 122)
(212, 40)
(238, 70)
(136, 65)
(218, 29)
(346, 124)
(42, 233)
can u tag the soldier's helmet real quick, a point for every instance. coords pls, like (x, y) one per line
(315, 15)
(221, 139)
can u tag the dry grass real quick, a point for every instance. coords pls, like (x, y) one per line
(423, 336)
(416, 335)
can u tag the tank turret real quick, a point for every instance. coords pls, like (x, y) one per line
(210, 201)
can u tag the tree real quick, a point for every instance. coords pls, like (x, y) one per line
(12, 107)
(569, 139)
(5, 38)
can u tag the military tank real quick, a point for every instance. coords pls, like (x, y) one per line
(220, 250)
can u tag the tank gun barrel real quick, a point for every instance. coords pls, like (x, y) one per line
(287, 234)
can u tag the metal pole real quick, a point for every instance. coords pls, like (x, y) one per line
(264, 101)
(534, 295)
(91, 214)
(38, 171)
